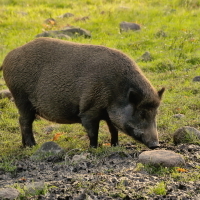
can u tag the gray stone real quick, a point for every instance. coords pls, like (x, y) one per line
(161, 33)
(66, 15)
(9, 193)
(80, 197)
(50, 128)
(178, 116)
(50, 21)
(196, 79)
(50, 147)
(76, 31)
(78, 158)
(82, 18)
(5, 94)
(163, 158)
(146, 57)
(68, 32)
(63, 37)
(34, 188)
(197, 197)
(126, 26)
(186, 134)
(47, 150)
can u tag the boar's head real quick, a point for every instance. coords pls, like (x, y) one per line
(137, 117)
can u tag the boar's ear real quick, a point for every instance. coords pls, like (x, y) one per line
(160, 92)
(134, 97)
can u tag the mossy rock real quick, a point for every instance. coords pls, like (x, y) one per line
(186, 134)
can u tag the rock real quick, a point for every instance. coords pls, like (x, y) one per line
(5, 94)
(34, 188)
(197, 197)
(47, 150)
(50, 147)
(50, 128)
(196, 79)
(63, 37)
(80, 197)
(126, 26)
(161, 33)
(9, 193)
(67, 32)
(66, 15)
(178, 116)
(51, 21)
(54, 34)
(118, 155)
(146, 57)
(77, 158)
(163, 158)
(186, 134)
(76, 31)
(82, 18)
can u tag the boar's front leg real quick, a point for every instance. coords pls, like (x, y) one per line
(113, 132)
(92, 128)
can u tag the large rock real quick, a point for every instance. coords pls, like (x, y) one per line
(163, 158)
(126, 26)
(66, 33)
(47, 150)
(9, 193)
(186, 134)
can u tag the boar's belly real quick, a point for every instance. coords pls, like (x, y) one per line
(62, 115)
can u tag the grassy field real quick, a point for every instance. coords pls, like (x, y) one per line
(169, 31)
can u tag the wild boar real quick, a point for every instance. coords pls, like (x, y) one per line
(67, 82)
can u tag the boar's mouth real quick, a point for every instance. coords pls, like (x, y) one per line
(138, 134)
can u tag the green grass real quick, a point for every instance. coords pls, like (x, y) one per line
(176, 57)
(159, 189)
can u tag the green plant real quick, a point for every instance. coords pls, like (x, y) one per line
(30, 191)
(159, 189)
(7, 164)
(156, 170)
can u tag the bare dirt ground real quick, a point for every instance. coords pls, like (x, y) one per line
(115, 175)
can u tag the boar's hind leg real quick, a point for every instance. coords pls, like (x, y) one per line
(27, 116)
(92, 128)
(113, 132)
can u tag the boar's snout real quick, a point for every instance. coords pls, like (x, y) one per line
(150, 137)
(153, 145)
